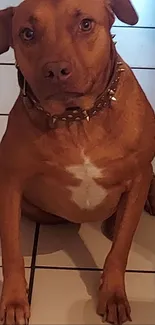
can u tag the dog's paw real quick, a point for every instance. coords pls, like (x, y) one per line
(114, 310)
(113, 305)
(14, 307)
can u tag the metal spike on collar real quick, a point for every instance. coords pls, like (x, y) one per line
(111, 92)
(121, 70)
(119, 63)
(113, 99)
(86, 115)
(54, 120)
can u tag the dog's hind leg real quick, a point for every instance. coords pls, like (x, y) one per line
(108, 227)
(35, 214)
(150, 203)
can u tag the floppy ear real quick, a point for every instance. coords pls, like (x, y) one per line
(124, 11)
(5, 29)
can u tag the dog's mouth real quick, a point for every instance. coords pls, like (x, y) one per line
(64, 95)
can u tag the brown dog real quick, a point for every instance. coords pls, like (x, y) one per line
(80, 138)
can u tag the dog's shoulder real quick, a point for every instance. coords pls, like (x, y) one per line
(137, 117)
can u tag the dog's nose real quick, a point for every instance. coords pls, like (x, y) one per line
(57, 70)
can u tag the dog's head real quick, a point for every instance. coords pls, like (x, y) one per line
(62, 46)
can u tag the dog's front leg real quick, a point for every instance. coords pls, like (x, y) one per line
(14, 308)
(113, 304)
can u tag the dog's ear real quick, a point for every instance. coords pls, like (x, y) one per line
(124, 11)
(5, 29)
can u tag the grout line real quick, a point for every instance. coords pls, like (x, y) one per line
(25, 267)
(133, 27)
(136, 67)
(142, 68)
(71, 268)
(141, 271)
(34, 253)
(67, 268)
(7, 63)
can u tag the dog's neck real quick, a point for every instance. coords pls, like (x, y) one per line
(89, 105)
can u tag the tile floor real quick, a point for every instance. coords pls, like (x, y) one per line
(63, 263)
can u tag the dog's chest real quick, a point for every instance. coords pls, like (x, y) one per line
(87, 193)
(79, 180)
(79, 175)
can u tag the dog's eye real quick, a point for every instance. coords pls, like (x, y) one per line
(27, 34)
(86, 25)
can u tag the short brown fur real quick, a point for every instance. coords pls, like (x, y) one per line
(38, 169)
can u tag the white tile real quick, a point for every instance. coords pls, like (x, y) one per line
(9, 88)
(7, 57)
(146, 79)
(153, 164)
(3, 124)
(136, 46)
(145, 10)
(86, 246)
(69, 297)
(141, 294)
(27, 239)
(8, 3)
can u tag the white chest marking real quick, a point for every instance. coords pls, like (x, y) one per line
(88, 194)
